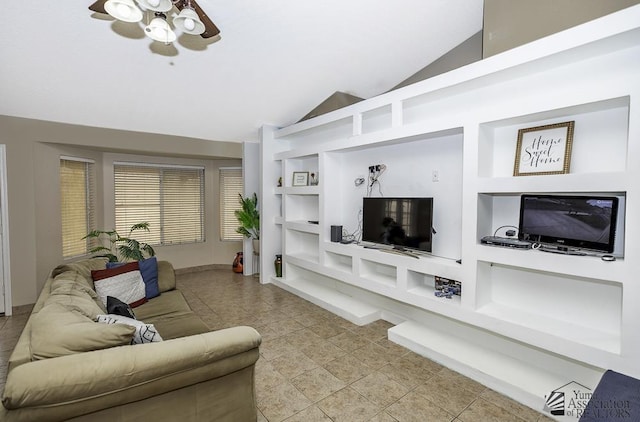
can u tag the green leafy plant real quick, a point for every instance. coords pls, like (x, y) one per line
(249, 217)
(120, 248)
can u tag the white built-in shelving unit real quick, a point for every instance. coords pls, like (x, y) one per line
(527, 322)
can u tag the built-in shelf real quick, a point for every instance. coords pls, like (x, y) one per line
(493, 360)
(347, 307)
(527, 322)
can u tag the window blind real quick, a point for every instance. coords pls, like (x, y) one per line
(169, 198)
(77, 205)
(231, 184)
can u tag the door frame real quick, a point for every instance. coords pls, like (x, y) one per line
(4, 216)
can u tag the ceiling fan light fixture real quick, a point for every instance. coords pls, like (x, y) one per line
(123, 10)
(159, 30)
(156, 5)
(189, 22)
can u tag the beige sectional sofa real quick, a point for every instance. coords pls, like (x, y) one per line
(68, 367)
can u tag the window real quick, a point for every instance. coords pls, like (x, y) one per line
(230, 188)
(169, 198)
(77, 205)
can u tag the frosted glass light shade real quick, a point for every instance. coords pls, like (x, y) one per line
(156, 5)
(189, 22)
(159, 30)
(123, 10)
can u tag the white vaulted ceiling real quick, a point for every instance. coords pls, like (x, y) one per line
(275, 61)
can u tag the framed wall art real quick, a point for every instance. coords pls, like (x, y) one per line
(300, 178)
(544, 149)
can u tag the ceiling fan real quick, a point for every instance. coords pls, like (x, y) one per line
(187, 20)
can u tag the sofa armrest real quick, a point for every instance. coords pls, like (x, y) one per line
(131, 373)
(166, 276)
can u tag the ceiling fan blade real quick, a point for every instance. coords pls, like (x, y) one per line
(210, 29)
(98, 6)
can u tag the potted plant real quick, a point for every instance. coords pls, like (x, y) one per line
(249, 218)
(120, 248)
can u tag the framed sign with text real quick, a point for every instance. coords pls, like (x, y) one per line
(300, 178)
(544, 149)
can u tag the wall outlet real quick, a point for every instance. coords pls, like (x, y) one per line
(435, 176)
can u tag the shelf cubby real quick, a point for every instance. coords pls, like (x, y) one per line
(378, 272)
(302, 244)
(377, 119)
(599, 142)
(301, 207)
(553, 303)
(339, 262)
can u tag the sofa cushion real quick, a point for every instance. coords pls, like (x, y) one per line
(149, 270)
(171, 315)
(171, 302)
(82, 267)
(177, 326)
(124, 282)
(58, 331)
(145, 333)
(70, 288)
(71, 278)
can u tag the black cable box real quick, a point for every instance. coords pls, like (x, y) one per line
(506, 242)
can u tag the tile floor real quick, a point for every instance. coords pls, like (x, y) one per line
(315, 366)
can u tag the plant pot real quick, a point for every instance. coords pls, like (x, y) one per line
(256, 246)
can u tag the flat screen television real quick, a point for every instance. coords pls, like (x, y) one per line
(564, 221)
(402, 223)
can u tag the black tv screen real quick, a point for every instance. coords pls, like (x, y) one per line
(584, 222)
(400, 222)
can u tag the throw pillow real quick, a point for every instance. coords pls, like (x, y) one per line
(124, 282)
(145, 333)
(118, 307)
(149, 271)
(57, 331)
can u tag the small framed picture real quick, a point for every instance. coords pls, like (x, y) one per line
(544, 149)
(313, 178)
(300, 178)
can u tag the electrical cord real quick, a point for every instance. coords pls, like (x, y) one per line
(502, 227)
(356, 235)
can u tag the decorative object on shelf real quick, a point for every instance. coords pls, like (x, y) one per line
(191, 20)
(300, 178)
(279, 182)
(544, 149)
(313, 179)
(238, 263)
(447, 288)
(120, 248)
(278, 265)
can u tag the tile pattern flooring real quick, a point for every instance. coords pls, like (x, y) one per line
(315, 366)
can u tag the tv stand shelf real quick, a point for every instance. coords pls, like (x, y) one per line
(570, 265)
(526, 322)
